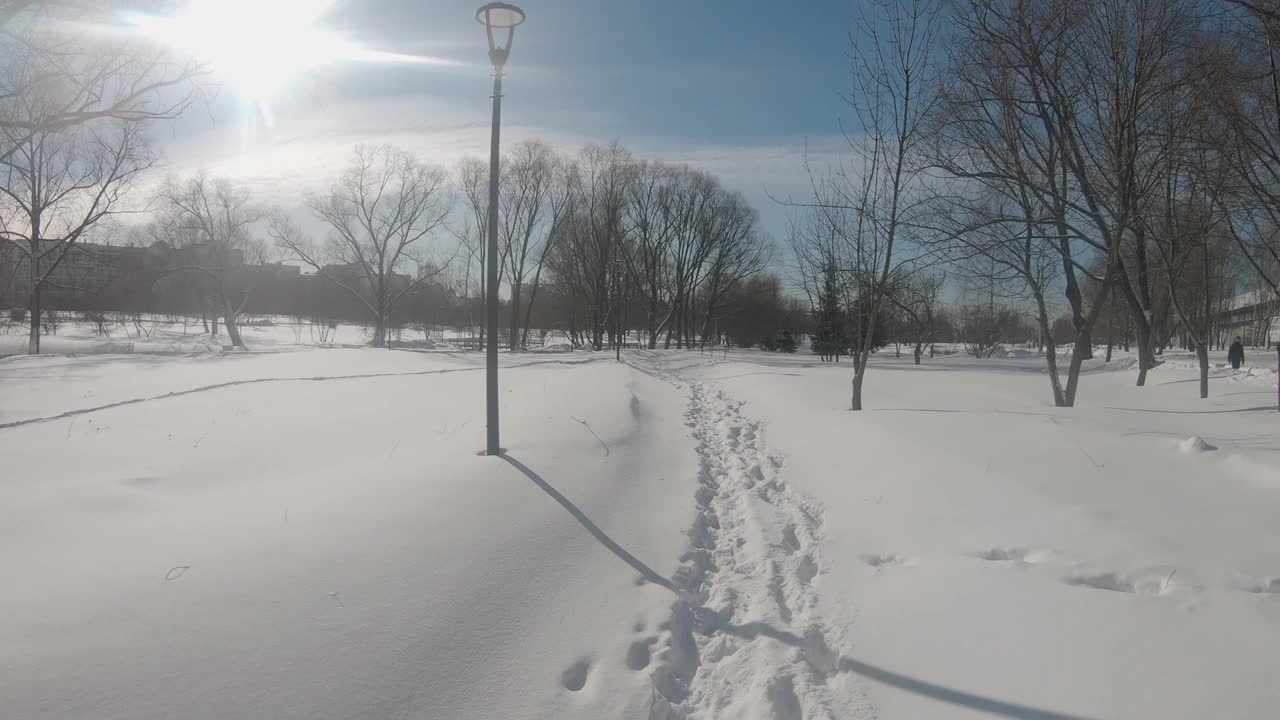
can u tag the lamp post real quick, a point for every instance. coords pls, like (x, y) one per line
(494, 16)
(617, 305)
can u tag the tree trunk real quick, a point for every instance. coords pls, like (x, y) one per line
(233, 330)
(856, 399)
(1051, 351)
(1083, 340)
(1145, 340)
(515, 315)
(919, 350)
(33, 342)
(861, 356)
(1202, 353)
(1111, 324)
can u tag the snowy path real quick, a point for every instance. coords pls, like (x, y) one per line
(752, 563)
(750, 639)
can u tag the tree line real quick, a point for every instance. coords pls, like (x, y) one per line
(1077, 154)
(613, 243)
(598, 243)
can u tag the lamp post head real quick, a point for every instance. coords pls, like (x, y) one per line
(499, 16)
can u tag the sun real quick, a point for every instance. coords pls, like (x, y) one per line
(257, 46)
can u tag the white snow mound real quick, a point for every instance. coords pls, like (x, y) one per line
(1195, 445)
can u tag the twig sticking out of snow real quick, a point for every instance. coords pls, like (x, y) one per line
(593, 433)
(176, 572)
(1086, 454)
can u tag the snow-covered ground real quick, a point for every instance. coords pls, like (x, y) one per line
(161, 336)
(310, 534)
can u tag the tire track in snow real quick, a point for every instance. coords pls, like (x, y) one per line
(751, 565)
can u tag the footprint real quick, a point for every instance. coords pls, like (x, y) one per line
(817, 653)
(783, 703)
(639, 652)
(1104, 581)
(574, 677)
(880, 561)
(807, 569)
(1152, 584)
(779, 595)
(1019, 555)
(790, 543)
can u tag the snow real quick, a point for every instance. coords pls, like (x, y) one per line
(308, 533)
(1195, 444)
(158, 336)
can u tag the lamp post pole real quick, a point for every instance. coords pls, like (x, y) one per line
(500, 16)
(617, 304)
(491, 272)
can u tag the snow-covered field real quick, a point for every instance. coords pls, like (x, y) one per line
(157, 336)
(310, 534)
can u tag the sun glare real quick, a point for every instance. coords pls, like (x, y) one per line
(259, 46)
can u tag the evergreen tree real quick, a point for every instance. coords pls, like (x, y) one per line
(829, 336)
(787, 342)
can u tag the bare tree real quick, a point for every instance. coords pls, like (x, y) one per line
(471, 182)
(648, 238)
(81, 78)
(378, 212)
(528, 210)
(1007, 212)
(211, 222)
(1057, 109)
(57, 185)
(566, 174)
(589, 240)
(1239, 82)
(896, 88)
(689, 208)
(917, 297)
(738, 252)
(71, 138)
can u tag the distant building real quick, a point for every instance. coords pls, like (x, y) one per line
(1254, 316)
(161, 279)
(83, 278)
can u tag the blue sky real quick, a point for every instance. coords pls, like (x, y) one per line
(739, 88)
(711, 70)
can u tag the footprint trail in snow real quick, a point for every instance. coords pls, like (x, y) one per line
(754, 647)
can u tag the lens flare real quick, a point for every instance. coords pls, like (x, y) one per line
(260, 47)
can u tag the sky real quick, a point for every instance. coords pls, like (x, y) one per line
(741, 89)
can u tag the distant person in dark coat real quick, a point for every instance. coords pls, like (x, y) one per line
(1235, 355)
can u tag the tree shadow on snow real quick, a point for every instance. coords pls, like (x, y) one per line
(829, 663)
